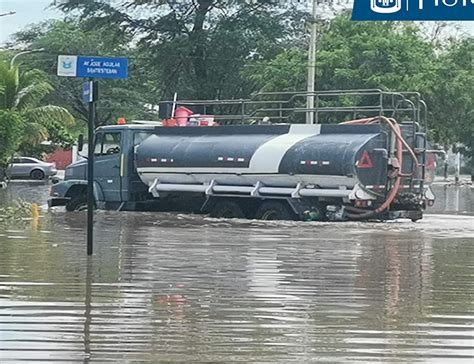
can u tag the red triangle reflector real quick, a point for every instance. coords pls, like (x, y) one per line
(365, 161)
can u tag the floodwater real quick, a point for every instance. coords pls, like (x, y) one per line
(178, 288)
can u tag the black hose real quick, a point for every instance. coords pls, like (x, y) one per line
(356, 209)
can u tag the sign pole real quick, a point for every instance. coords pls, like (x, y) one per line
(91, 68)
(90, 171)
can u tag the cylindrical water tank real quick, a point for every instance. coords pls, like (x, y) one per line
(326, 156)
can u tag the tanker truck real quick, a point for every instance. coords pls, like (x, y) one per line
(360, 169)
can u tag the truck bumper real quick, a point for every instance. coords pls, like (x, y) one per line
(59, 191)
(58, 201)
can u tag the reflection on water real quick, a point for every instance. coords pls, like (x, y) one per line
(164, 287)
(453, 199)
(31, 191)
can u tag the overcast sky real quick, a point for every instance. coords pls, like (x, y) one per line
(34, 11)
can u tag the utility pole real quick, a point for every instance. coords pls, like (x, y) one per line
(311, 66)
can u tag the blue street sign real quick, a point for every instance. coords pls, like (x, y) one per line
(95, 67)
(87, 94)
(101, 67)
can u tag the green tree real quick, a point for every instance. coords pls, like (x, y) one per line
(21, 96)
(285, 72)
(355, 55)
(386, 55)
(197, 48)
(11, 129)
(391, 56)
(451, 97)
(210, 49)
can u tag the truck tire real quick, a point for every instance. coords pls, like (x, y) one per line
(227, 209)
(37, 174)
(274, 210)
(77, 203)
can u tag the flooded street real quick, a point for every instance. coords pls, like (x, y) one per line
(181, 288)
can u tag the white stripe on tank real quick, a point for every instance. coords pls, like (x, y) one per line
(267, 157)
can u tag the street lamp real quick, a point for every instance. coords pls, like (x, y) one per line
(12, 62)
(9, 13)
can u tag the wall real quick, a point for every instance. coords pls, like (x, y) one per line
(61, 157)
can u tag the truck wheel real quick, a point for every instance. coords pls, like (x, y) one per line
(274, 210)
(77, 203)
(37, 174)
(227, 210)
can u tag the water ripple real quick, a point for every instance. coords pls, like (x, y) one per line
(181, 288)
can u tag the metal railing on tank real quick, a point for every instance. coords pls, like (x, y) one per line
(330, 107)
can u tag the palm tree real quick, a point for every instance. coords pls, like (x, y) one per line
(23, 93)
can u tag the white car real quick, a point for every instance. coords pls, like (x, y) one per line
(27, 167)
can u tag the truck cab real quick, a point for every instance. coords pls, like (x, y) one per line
(116, 183)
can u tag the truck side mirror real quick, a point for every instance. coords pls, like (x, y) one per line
(80, 142)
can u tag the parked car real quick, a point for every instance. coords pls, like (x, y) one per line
(27, 167)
